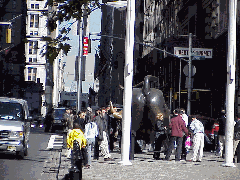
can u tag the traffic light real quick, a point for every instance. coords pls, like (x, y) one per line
(8, 35)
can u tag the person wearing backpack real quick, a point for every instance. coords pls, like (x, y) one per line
(91, 132)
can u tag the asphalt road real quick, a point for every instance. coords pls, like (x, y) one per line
(32, 166)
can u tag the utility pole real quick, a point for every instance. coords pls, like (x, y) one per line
(230, 92)
(128, 77)
(81, 57)
(49, 69)
(189, 75)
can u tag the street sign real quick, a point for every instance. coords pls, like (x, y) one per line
(85, 46)
(183, 52)
(198, 57)
(186, 70)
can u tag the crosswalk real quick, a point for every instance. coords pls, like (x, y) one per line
(55, 142)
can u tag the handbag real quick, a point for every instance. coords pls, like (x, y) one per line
(188, 143)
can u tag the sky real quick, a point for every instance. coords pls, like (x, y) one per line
(69, 70)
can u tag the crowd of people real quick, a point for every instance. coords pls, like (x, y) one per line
(96, 131)
(190, 131)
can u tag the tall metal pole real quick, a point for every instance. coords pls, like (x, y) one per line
(189, 75)
(180, 81)
(230, 92)
(128, 77)
(82, 59)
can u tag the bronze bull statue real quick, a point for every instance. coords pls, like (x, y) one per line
(147, 103)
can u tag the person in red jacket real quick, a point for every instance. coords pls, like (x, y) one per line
(178, 128)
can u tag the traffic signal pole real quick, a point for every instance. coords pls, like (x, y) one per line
(230, 91)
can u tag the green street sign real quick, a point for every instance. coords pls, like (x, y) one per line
(198, 57)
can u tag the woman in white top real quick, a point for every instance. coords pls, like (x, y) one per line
(91, 132)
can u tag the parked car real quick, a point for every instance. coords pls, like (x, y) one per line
(58, 121)
(14, 126)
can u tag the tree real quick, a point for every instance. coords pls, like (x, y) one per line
(66, 10)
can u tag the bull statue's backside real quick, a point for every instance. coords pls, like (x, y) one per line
(147, 102)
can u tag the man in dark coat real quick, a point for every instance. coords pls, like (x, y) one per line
(221, 133)
(81, 120)
(178, 127)
(104, 146)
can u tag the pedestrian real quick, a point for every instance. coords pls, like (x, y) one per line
(214, 135)
(185, 119)
(197, 128)
(177, 127)
(236, 138)
(78, 135)
(99, 138)
(48, 120)
(160, 136)
(104, 146)
(68, 117)
(221, 134)
(91, 132)
(89, 115)
(81, 120)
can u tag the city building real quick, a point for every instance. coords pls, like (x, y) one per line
(12, 54)
(168, 26)
(162, 31)
(35, 69)
(111, 64)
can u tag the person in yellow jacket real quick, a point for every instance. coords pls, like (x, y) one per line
(76, 134)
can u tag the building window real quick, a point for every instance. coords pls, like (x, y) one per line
(31, 33)
(32, 73)
(33, 46)
(32, 6)
(34, 20)
(36, 6)
(36, 33)
(32, 59)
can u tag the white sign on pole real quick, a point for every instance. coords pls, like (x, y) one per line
(183, 52)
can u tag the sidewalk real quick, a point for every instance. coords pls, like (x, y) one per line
(56, 166)
(145, 167)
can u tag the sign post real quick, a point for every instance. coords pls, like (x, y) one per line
(189, 75)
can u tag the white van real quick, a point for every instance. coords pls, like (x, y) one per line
(14, 126)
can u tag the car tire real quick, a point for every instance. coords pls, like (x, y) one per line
(20, 154)
(26, 150)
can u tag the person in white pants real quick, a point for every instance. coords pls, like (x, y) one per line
(198, 139)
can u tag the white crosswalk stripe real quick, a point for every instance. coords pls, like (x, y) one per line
(55, 141)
